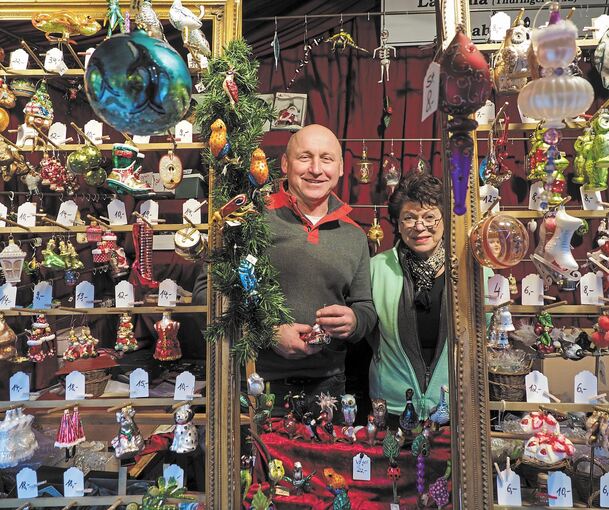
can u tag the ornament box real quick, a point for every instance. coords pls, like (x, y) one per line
(192, 186)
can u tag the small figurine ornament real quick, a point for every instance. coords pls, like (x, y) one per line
(350, 434)
(379, 411)
(125, 339)
(375, 233)
(440, 415)
(129, 442)
(230, 87)
(371, 430)
(114, 17)
(349, 408)
(184, 20)
(384, 51)
(327, 403)
(409, 418)
(296, 404)
(65, 24)
(147, 19)
(52, 260)
(276, 473)
(300, 482)
(511, 65)
(17, 440)
(311, 423)
(342, 40)
(317, 336)
(336, 484)
(167, 345)
(246, 474)
(8, 351)
(290, 425)
(185, 438)
(218, 140)
(70, 432)
(40, 340)
(255, 385)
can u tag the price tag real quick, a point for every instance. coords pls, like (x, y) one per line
(26, 214)
(168, 293)
(361, 467)
(138, 384)
(600, 24)
(43, 295)
(88, 53)
(84, 294)
(150, 210)
(147, 178)
(486, 114)
(75, 386)
(18, 59)
(73, 483)
(202, 62)
(137, 139)
(3, 214)
(27, 483)
(591, 200)
(200, 88)
(394, 506)
(174, 471)
(559, 486)
(117, 214)
(585, 386)
(604, 488)
(500, 23)
(191, 209)
(25, 136)
(535, 196)
(431, 90)
(183, 132)
(67, 213)
(591, 288)
(157, 184)
(532, 290)
(508, 489)
(8, 296)
(53, 60)
(19, 387)
(123, 294)
(185, 386)
(488, 195)
(58, 132)
(537, 387)
(498, 289)
(94, 130)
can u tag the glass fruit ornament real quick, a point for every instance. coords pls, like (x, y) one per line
(138, 84)
(499, 241)
(95, 177)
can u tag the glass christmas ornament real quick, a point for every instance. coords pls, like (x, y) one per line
(185, 437)
(8, 338)
(499, 241)
(392, 171)
(558, 248)
(594, 150)
(7, 96)
(510, 62)
(259, 168)
(138, 84)
(129, 441)
(11, 261)
(95, 177)
(39, 110)
(22, 87)
(77, 162)
(167, 346)
(5, 119)
(94, 232)
(364, 167)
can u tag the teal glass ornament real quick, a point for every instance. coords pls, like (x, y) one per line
(138, 84)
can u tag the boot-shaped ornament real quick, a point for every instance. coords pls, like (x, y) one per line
(558, 249)
(123, 178)
(142, 266)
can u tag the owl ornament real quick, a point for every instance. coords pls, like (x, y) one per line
(510, 62)
(259, 169)
(349, 408)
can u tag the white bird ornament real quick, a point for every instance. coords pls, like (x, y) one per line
(184, 20)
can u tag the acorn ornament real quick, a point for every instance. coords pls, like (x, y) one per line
(259, 168)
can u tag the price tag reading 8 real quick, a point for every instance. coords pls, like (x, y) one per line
(535, 196)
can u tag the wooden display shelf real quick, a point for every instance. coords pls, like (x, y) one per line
(143, 147)
(581, 43)
(49, 229)
(526, 437)
(578, 213)
(104, 501)
(562, 309)
(134, 310)
(565, 407)
(100, 402)
(529, 126)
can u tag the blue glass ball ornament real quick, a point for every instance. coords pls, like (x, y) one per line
(138, 84)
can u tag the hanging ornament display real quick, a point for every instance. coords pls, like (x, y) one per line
(343, 40)
(167, 345)
(510, 64)
(592, 160)
(39, 110)
(364, 166)
(185, 437)
(162, 95)
(259, 168)
(125, 339)
(465, 85)
(392, 171)
(499, 241)
(384, 54)
(11, 261)
(40, 340)
(8, 350)
(82, 346)
(129, 441)
(496, 171)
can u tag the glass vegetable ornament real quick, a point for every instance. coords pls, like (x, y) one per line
(499, 241)
(11, 261)
(465, 85)
(138, 84)
(364, 167)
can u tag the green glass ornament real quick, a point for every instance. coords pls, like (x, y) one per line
(95, 177)
(93, 155)
(78, 162)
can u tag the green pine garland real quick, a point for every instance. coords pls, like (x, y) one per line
(250, 325)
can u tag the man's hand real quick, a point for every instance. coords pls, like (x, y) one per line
(337, 320)
(290, 345)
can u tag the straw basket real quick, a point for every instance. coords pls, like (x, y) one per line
(581, 479)
(509, 386)
(529, 468)
(95, 381)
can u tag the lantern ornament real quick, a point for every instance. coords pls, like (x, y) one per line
(499, 241)
(11, 260)
(364, 166)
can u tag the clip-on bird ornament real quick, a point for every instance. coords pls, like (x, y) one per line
(219, 144)
(341, 40)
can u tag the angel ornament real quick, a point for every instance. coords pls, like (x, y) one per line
(384, 52)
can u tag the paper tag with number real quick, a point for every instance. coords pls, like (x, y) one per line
(53, 60)
(431, 90)
(591, 288)
(84, 295)
(500, 23)
(19, 387)
(559, 486)
(168, 293)
(117, 214)
(488, 195)
(361, 467)
(75, 386)
(532, 290)
(601, 25)
(591, 199)
(535, 196)
(394, 506)
(138, 383)
(498, 289)
(18, 59)
(185, 386)
(58, 132)
(43, 295)
(537, 387)
(191, 209)
(67, 213)
(183, 132)
(73, 483)
(174, 471)
(26, 214)
(604, 488)
(150, 210)
(486, 114)
(147, 178)
(8, 296)
(508, 489)
(123, 294)
(27, 483)
(200, 63)
(137, 139)
(585, 386)
(94, 131)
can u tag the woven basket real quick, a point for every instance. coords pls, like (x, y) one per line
(581, 479)
(95, 381)
(509, 386)
(530, 468)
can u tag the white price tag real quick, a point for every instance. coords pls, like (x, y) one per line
(19, 387)
(73, 483)
(58, 132)
(150, 210)
(431, 90)
(67, 213)
(157, 184)
(168, 293)
(591, 288)
(8, 296)
(174, 471)
(3, 214)
(53, 60)
(486, 114)
(537, 387)
(185, 386)
(601, 25)
(559, 486)
(18, 59)
(27, 483)
(25, 136)
(147, 178)
(123, 294)
(488, 195)
(394, 506)
(200, 88)
(202, 62)
(137, 139)
(361, 467)
(191, 209)
(532, 290)
(138, 384)
(43, 295)
(500, 23)
(94, 131)
(585, 386)
(26, 214)
(88, 53)
(535, 196)
(117, 214)
(604, 488)
(183, 132)
(84, 294)
(508, 489)
(498, 289)
(75, 386)
(591, 200)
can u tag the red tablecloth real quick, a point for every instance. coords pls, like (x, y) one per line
(375, 494)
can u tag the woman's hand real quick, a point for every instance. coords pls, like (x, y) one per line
(290, 345)
(337, 320)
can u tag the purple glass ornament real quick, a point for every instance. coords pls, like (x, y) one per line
(552, 136)
(461, 152)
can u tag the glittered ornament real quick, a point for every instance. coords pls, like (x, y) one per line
(22, 87)
(129, 441)
(7, 96)
(125, 339)
(167, 345)
(230, 87)
(8, 338)
(392, 172)
(95, 177)
(40, 340)
(39, 110)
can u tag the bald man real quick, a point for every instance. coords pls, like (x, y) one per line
(323, 262)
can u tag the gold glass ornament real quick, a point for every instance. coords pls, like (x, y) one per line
(364, 167)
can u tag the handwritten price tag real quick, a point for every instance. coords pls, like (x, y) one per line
(532, 290)
(58, 132)
(431, 90)
(84, 295)
(535, 196)
(75, 386)
(18, 59)
(591, 288)
(53, 60)
(168, 293)
(19, 385)
(27, 483)
(67, 213)
(604, 487)
(185, 386)
(191, 209)
(183, 132)
(174, 471)
(591, 199)
(559, 486)
(537, 387)
(585, 386)
(488, 195)
(500, 23)
(26, 214)
(8, 296)
(150, 210)
(137, 139)
(94, 130)
(43, 295)
(123, 294)
(486, 114)
(117, 214)
(508, 489)
(498, 289)
(73, 483)
(361, 467)
(138, 384)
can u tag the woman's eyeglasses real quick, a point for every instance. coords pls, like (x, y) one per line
(430, 222)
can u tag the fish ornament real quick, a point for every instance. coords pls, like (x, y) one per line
(66, 24)
(275, 46)
(230, 87)
(259, 168)
(218, 140)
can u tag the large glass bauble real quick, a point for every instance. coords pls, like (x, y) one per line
(95, 177)
(499, 241)
(138, 84)
(554, 45)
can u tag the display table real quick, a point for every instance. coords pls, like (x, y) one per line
(315, 456)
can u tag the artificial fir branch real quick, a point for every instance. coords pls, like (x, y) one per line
(249, 322)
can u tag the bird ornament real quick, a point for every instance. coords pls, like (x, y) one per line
(441, 414)
(218, 140)
(146, 19)
(230, 87)
(259, 168)
(189, 24)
